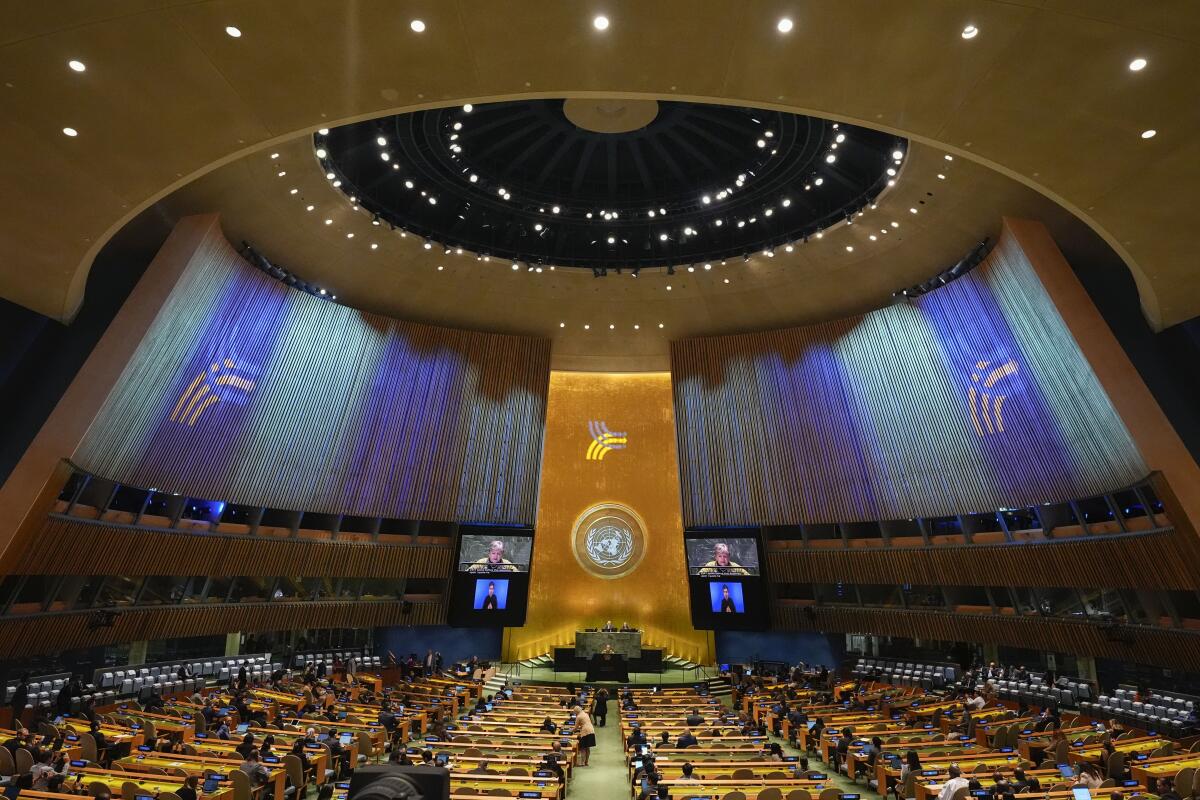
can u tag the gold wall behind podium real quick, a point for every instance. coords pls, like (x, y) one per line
(644, 477)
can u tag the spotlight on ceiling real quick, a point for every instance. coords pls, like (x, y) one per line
(600, 22)
(1137, 65)
(784, 25)
(79, 66)
(970, 32)
(1149, 134)
(418, 26)
(236, 33)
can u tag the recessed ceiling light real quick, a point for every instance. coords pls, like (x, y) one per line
(784, 25)
(562, 324)
(281, 173)
(668, 287)
(1137, 65)
(970, 32)
(895, 224)
(662, 237)
(949, 157)
(818, 181)
(79, 66)
(70, 132)
(829, 159)
(660, 325)
(587, 327)
(891, 171)
(611, 326)
(912, 210)
(337, 184)
(600, 22)
(349, 235)
(897, 154)
(727, 280)
(329, 176)
(637, 327)
(554, 210)
(309, 208)
(374, 245)
(941, 177)
(324, 131)
(440, 267)
(708, 266)
(691, 267)
(418, 26)
(468, 108)
(849, 248)
(537, 226)
(1149, 134)
(385, 156)
(294, 191)
(789, 248)
(328, 222)
(321, 152)
(234, 32)
(761, 143)
(873, 237)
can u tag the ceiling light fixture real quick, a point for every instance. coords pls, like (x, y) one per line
(1137, 65)
(321, 152)
(468, 108)
(1149, 134)
(236, 33)
(323, 131)
(70, 132)
(784, 25)
(418, 26)
(970, 32)
(600, 22)
(79, 66)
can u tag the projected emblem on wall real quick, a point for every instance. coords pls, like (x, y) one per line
(603, 440)
(986, 404)
(209, 387)
(609, 540)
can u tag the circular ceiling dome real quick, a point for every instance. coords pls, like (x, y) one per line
(609, 184)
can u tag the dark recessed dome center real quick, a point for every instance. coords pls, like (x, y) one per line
(610, 116)
(607, 183)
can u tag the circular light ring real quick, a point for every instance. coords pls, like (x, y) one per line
(469, 189)
(600, 22)
(417, 26)
(784, 25)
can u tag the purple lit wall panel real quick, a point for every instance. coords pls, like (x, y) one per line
(973, 397)
(251, 391)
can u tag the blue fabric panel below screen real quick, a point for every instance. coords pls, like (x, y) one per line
(742, 647)
(455, 644)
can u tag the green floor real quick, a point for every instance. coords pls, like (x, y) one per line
(607, 777)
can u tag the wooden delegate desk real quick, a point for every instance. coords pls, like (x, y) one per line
(623, 643)
(153, 785)
(1161, 767)
(195, 765)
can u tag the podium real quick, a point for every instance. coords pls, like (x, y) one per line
(608, 667)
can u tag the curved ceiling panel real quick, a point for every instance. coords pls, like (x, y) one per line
(1042, 92)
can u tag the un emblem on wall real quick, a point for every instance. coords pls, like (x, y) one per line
(609, 540)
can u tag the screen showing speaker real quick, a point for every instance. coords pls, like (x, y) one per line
(490, 585)
(725, 579)
(723, 555)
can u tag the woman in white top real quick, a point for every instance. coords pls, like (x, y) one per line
(587, 735)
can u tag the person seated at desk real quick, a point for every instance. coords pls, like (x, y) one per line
(625, 628)
(258, 774)
(1022, 784)
(494, 561)
(609, 627)
(694, 720)
(720, 564)
(638, 737)
(548, 726)
(246, 747)
(955, 782)
(188, 790)
(689, 772)
(686, 739)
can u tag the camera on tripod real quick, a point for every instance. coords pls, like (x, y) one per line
(396, 782)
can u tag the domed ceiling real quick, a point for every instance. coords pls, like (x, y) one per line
(609, 184)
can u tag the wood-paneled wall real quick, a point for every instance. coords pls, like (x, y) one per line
(82, 547)
(249, 391)
(969, 398)
(1156, 646)
(1165, 560)
(33, 635)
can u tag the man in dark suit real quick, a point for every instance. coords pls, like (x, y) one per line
(609, 627)
(19, 699)
(694, 720)
(686, 739)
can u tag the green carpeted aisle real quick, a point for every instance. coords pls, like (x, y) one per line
(607, 777)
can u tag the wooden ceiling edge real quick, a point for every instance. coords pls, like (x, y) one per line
(74, 297)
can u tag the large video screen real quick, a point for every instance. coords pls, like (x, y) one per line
(726, 584)
(490, 585)
(494, 553)
(716, 555)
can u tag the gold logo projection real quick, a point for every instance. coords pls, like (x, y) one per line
(202, 392)
(986, 404)
(603, 441)
(609, 540)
